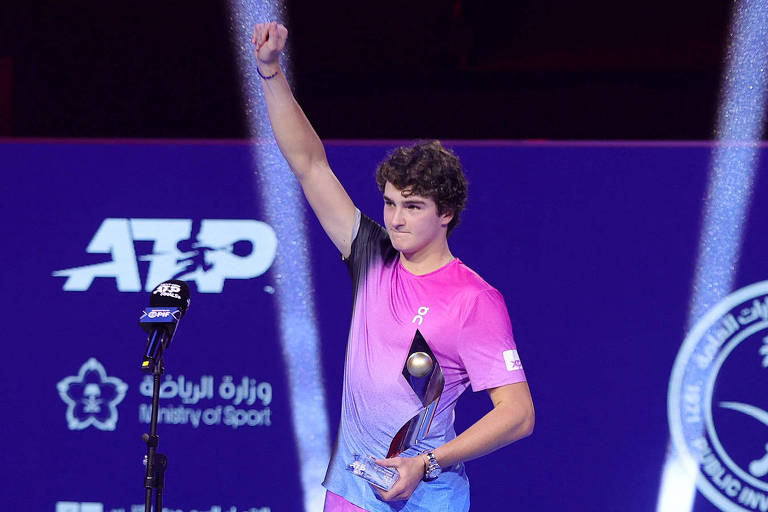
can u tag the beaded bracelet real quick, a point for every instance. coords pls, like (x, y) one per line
(273, 75)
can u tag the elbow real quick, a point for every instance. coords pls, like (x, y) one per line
(519, 425)
(526, 423)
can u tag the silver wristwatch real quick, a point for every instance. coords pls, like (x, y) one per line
(432, 470)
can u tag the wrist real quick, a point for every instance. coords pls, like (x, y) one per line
(267, 68)
(432, 469)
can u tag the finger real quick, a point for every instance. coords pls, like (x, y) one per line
(393, 494)
(272, 36)
(390, 463)
(398, 492)
(282, 36)
(385, 495)
(261, 29)
(258, 36)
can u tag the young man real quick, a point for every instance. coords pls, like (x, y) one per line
(407, 283)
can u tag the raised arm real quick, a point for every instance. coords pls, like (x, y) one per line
(298, 141)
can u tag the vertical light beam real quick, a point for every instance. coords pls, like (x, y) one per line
(739, 128)
(284, 209)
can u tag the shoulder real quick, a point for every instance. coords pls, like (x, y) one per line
(475, 294)
(470, 282)
(367, 230)
(370, 244)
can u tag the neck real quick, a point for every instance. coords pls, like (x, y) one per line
(426, 261)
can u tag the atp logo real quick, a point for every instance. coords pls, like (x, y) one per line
(717, 404)
(92, 397)
(168, 290)
(220, 249)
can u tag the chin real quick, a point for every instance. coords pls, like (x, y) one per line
(405, 249)
(404, 244)
(395, 240)
(398, 246)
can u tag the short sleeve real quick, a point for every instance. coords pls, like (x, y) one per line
(486, 345)
(370, 244)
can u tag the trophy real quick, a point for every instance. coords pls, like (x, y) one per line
(423, 373)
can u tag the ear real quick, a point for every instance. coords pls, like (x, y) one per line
(446, 218)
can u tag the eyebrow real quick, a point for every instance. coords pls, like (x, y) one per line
(407, 201)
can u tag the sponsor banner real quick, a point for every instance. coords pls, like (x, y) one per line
(217, 250)
(91, 398)
(591, 245)
(718, 409)
(233, 404)
(87, 254)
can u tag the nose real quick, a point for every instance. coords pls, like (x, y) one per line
(398, 218)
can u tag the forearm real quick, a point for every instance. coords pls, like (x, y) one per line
(512, 418)
(298, 141)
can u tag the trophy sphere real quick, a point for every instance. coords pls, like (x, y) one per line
(419, 364)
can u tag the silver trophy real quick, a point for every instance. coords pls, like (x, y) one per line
(422, 371)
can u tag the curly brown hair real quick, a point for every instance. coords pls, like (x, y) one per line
(427, 169)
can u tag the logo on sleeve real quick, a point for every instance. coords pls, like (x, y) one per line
(512, 360)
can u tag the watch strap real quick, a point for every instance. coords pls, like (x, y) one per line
(432, 468)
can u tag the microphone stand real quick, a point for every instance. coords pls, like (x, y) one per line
(169, 301)
(154, 479)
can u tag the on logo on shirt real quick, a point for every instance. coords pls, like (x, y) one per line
(420, 314)
(512, 360)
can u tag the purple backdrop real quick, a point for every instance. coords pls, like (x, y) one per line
(592, 245)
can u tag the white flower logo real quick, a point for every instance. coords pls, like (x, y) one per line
(92, 397)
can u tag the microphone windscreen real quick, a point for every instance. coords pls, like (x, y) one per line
(173, 293)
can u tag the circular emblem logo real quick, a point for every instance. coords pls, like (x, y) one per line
(718, 400)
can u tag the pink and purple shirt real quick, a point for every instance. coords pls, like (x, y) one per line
(464, 321)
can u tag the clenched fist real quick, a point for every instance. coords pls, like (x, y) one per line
(269, 40)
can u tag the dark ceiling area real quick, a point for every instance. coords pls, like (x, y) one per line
(454, 69)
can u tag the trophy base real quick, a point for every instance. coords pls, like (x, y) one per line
(366, 468)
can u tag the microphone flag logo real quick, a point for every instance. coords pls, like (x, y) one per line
(168, 290)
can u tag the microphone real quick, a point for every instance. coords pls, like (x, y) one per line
(168, 302)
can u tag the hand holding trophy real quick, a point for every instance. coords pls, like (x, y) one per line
(425, 376)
